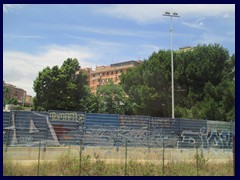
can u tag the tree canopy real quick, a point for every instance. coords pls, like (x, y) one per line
(113, 100)
(203, 84)
(61, 88)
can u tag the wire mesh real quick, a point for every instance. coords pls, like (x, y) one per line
(113, 138)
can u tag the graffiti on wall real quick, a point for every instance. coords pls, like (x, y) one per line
(66, 116)
(56, 128)
(68, 126)
(28, 128)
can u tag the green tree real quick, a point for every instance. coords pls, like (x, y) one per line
(204, 80)
(61, 88)
(203, 84)
(92, 104)
(6, 97)
(113, 100)
(149, 85)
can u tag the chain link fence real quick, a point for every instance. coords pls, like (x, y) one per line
(77, 143)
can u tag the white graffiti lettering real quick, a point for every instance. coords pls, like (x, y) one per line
(25, 139)
(67, 116)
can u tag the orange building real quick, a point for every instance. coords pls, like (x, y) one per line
(104, 74)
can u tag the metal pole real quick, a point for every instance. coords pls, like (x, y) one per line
(68, 148)
(80, 158)
(23, 99)
(8, 131)
(163, 159)
(46, 137)
(171, 31)
(197, 159)
(39, 148)
(233, 145)
(126, 158)
(149, 134)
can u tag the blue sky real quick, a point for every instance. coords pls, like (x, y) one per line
(36, 36)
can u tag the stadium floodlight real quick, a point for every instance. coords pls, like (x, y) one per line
(175, 14)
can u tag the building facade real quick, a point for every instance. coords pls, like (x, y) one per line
(29, 100)
(104, 74)
(10, 92)
(18, 93)
(185, 49)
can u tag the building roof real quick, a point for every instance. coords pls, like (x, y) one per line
(125, 63)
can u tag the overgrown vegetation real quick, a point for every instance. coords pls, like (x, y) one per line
(68, 165)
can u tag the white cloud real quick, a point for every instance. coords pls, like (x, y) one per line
(148, 13)
(17, 36)
(196, 25)
(226, 15)
(21, 69)
(213, 38)
(98, 30)
(111, 31)
(11, 7)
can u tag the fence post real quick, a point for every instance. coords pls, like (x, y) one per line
(126, 158)
(8, 132)
(163, 158)
(234, 155)
(149, 134)
(46, 137)
(80, 158)
(118, 132)
(197, 157)
(233, 145)
(39, 149)
(68, 148)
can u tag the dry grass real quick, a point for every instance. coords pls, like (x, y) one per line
(100, 161)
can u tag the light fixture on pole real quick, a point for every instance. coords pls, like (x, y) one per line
(171, 30)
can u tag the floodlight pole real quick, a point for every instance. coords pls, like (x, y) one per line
(171, 32)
